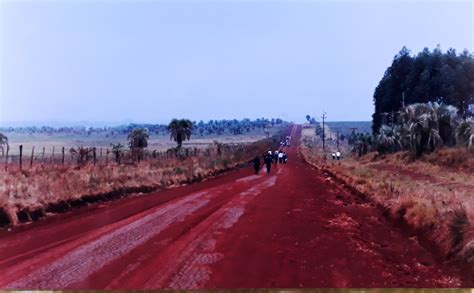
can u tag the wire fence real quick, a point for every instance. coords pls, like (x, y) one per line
(42, 156)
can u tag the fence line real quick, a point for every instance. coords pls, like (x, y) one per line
(80, 155)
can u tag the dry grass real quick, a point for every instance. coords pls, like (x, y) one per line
(38, 187)
(456, 158)
(434, 194)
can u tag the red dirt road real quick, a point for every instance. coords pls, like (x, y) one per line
(292, 228)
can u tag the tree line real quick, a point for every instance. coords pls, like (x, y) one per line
(211, 127)
(429, 76)
(179, 130)
(420, 128)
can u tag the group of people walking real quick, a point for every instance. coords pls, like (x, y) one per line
(269, 158)
(336, 155)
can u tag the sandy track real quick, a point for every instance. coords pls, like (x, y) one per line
(292, 228)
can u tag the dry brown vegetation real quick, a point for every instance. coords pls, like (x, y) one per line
(34, 192)
(433, 195)
(459, 159)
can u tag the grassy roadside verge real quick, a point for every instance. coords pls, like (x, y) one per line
(435, 200)
(32, 194)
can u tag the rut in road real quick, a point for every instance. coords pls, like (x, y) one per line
(292, 228)
(90, 253)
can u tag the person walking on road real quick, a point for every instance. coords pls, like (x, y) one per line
(280, 157)
(268, 162)
(256, 164)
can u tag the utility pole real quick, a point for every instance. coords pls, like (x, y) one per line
(21, 156)
(324, 117)
(32, 156)
(337, 139)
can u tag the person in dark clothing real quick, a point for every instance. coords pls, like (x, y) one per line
(285, 158)
(256, 164)
(275, 157)
(268, 162)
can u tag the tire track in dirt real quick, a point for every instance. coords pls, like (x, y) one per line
(189, 269)
(117, 241)
(78, 264)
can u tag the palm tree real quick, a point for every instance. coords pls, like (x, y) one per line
(117, 149)
(362, 144)
(3, 141)
(180, 130)
(388, 140)
(422, 123)
(446, 116)
(138, 140)
(81, 153)
(465, 133)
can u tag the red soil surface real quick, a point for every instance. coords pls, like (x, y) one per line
(292, 228)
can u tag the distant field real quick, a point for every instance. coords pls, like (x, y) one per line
(156, 142)
(344, 127)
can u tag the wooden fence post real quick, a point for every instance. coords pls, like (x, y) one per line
(42, 157)
(107, 156)
(21, 156)
(6, 157)
(32, 156)
(52, 155)
(62, 159)
(94, 153)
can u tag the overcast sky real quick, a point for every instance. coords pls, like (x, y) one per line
(150, 61)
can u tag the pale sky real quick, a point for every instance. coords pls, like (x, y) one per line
(150, 61)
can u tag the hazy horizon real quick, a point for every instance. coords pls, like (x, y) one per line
(56, 124)
(151, 61)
